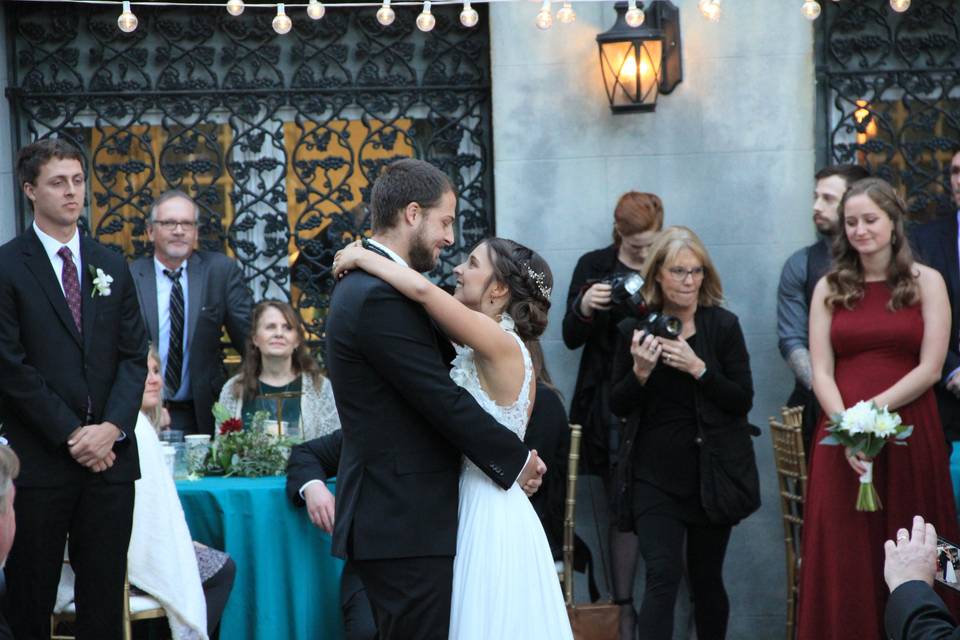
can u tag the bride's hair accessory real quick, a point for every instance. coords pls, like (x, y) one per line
(506, 322)
(540, 280)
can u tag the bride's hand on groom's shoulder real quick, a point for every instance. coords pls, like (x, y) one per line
(532, 475)
(346, 259)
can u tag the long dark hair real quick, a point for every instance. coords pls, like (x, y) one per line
(248, 384)
(846, 277)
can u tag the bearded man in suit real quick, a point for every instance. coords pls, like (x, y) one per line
(73, 356)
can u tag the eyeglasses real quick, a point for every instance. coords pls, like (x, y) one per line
(680, 274)
(170, 225)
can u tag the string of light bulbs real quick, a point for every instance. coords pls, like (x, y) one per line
(282, 22)
(316, 10)
(810, 9)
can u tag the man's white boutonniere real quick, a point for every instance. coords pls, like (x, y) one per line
(101, 282)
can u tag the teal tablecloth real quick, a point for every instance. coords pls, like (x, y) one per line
(288, 584)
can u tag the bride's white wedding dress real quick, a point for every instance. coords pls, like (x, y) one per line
(505, 582)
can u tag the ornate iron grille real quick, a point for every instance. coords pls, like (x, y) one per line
(278, 138)
(889, 93)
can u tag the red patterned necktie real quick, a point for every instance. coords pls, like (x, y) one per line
(71, 285)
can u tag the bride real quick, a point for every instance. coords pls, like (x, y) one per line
(504, 579)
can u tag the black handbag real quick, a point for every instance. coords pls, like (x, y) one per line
(729, 480)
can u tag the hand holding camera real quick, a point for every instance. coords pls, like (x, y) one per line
(678, 354)
(595, 298)
(645, 348)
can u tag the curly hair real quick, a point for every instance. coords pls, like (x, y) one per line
(529, 280)
(248, 384)
(672, 241)
(845, 278)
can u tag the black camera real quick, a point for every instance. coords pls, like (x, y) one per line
(627, 299)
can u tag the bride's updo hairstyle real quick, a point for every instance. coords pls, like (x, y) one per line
(529, 280)
(846, 275)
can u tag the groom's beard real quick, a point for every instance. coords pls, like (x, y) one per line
(421, 254)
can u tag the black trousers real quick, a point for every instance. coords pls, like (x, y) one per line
(98, 517)
(410, 596)
(358, 621)
(216, 592)
(662, 535)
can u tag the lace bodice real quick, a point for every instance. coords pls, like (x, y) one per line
(464, 373)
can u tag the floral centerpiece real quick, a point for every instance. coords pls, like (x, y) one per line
(866, 428)
(251, 453)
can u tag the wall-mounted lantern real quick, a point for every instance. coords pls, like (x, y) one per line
(640, 62)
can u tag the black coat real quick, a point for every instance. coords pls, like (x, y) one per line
(936, 246)
(48, 370)
(597, 335)
(549, 433)
(723, 397)
(405, 424)
(915, 612)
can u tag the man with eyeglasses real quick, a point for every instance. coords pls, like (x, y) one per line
(187, 296)
(800, 275)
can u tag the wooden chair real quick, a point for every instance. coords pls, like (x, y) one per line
(792, 478)
(569, 517)
(136, 607)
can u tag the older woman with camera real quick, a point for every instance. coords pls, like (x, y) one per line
(675, 394)
(590, 322)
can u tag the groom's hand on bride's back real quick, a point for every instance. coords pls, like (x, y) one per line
(532, 475)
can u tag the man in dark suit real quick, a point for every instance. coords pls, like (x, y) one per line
(914, 610)
(187, 297)
(936, 246)
(405, 423)
(73, 355)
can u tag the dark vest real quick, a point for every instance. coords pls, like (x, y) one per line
(818, 263)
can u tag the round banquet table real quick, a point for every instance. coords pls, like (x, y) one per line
(287, 585)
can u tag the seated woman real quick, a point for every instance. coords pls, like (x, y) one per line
(276, 361)
(191, 581)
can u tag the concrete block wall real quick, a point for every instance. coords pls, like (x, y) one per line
(730, 152)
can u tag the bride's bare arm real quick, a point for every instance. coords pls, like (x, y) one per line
(935, 306)
(460, 323)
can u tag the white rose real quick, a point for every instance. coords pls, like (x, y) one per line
(886, 423)
(859, 418)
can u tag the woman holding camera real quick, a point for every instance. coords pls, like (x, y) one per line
(671, 390)
(590, 322)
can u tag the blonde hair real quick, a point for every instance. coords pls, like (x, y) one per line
(668, 244)
(9, 469)
(157, 411)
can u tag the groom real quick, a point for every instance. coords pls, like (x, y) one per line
(405, 423)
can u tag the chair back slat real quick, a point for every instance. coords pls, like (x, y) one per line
(570, 512)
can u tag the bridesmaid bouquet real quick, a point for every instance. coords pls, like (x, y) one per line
(865, 428)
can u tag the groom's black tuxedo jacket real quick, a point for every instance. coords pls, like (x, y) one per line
(405, 424)
(48, 369)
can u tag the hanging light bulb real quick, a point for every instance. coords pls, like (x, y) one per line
(635, 15)
(426, 21)
(469, 16)
(235, 7)
(316, 10)
(127, 22)
(810, 9)
(385, 14)
(545, 17)
(566, 14)
(710, 9)
(282, 22)
(899, 5)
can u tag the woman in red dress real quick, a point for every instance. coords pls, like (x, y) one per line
(879, 326)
